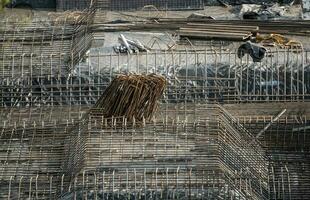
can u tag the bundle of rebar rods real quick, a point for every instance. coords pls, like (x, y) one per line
(285, 27)
(216, 31)
(132, 96)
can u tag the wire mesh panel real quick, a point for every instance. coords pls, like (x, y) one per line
(220, 76)
(74, 4)
(193, 76)
(159, 4)
(83, 4)
(289, 175)
(55, 114)
(287, 144)
(148, 183)
(30, 187)
(289, 134)
(103, 4)
(42, 46)
(31, 149)
(156, 183)
(189, 150)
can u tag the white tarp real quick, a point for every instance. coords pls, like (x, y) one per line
(306, 5)
(306, 9)
(264, 12)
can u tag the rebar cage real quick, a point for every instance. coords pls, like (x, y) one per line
(165, 150)
(287, 143)
(193, 76)
(39, 47)
(197, 151)
(55, 146)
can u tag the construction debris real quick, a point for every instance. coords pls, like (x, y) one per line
(256, 51)
(67, 17)
(199, 16)
(306, 9)
(262, 12)
(278, 40)
(129, 46)
(132, 96)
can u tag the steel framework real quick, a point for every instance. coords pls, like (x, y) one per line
(188, 150)
(287, 143)
(210, 156)
(43, 46)
(193, 76)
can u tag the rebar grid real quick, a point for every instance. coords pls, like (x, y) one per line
(288, 134)
(32, 149)
(284, 183)
(157, 183)
(215, 143)
(41, 46)
(75, 4)
(193, 76)
(221, 178)
(218, 75)
(287, 145)
(37, 115)
(287, 177)
(127, 5)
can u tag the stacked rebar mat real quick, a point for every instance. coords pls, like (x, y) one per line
(50, 46)
(212, 157)
(134, 97)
